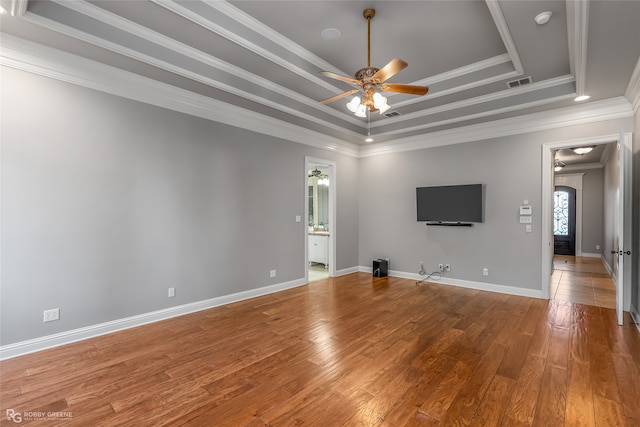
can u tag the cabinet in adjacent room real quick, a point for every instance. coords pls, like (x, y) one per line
(319, 249)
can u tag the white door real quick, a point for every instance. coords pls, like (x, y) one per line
(621, 258)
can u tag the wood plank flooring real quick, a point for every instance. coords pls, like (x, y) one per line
(347, 351)
(583, 280)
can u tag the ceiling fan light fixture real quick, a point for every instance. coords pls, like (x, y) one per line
(362, 111)
(558, 165)
(354, 104)
(378, 100)
(583, 150)
(371, 78)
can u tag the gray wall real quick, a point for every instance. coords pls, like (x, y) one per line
(510, 167)
(106, 203)
(592, 211)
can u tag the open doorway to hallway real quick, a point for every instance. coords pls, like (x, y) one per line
(582, 280)
(320, 218)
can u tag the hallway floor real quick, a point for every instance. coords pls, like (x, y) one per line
(582, 280)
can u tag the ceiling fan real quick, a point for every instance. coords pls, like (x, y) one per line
(370, 78)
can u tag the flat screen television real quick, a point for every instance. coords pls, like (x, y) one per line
(450, 204)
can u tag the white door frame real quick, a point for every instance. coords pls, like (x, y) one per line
(333, 181)
(547, 204)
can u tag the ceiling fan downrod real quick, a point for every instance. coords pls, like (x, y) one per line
(368, 14)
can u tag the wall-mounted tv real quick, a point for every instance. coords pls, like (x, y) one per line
(450, 204)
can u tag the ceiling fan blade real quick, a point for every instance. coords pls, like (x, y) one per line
(411, 90)
(342, 95)
(392, 68)
(339, 77)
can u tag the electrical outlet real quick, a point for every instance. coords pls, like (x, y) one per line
(51, 315)
(485, 271)
(441, 267)
(447, 267)
(172, 292)
(272, 273)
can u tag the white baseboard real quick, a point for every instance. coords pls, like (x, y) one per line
(38, 344)
(481, 286)
(635, 316)
(346, 271)
(608, 268)
(591, 255)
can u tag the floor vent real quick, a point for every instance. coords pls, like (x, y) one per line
(519, 82)
(392, 114)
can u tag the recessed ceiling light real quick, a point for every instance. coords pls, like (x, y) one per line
(583, 150)
(543, 18)
(368, 139)
(330, 34)
(581, 98)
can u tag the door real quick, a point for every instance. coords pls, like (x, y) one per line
(564, 220)
(622, 248)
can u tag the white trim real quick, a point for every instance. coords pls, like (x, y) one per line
(495, 96)
(31, 57)
(345, 271)
(333, 186)
(633, 88)
(38, 344)
(503, 29)
(562, 117)
(578, 32)
(547, 207)
(468, 284)
(165, 42)
(635, 316)
(582, 166)
(486, 113)
(591, 255)
(18, 7)
(34, 58)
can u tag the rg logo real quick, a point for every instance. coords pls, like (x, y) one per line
(14, 416)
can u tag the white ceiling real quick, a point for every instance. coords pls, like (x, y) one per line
(263, 58)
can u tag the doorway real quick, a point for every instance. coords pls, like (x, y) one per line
(320, 231)
(622, 214)
(564, 220)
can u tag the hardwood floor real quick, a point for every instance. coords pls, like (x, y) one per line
(347, 351)
(582, 280)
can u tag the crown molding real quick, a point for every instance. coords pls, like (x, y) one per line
(158, 39)
(38, 59)
(578, 32)
(486, 98)
(503, 29)
(633, 88)
(582, 166)
(562, 117)
(34, 58)
(18, 7)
